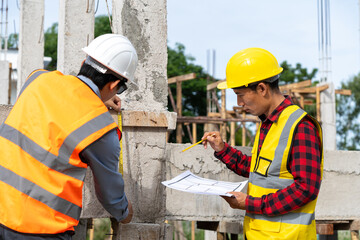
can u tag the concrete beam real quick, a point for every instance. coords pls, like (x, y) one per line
(76, 30)
(31, 39)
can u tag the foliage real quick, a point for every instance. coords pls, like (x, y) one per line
(193, 91)
(347, 119)
(50, 45)
(295, 74)
(102, 26)
(13, 40)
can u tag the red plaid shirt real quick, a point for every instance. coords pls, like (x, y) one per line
(304, 164)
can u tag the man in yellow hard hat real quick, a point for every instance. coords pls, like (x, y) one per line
(57, 128)
(285, 168)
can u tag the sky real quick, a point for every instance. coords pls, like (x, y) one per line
(287, 28)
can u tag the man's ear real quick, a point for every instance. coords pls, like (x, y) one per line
(113, 85)
(262, 88)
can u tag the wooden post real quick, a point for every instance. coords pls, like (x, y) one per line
(223, 114)
(179, 111)
(232, 133)
(318, 117)
(193, 230)
(302, 103)
(194, 133)
(243, 140)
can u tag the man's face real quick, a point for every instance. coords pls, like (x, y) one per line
(250, 100)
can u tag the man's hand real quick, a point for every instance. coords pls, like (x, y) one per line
(130, 215)
(238, 201)
(215, 141)
(114, 103)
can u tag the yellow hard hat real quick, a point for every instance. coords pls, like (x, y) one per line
(248, 66)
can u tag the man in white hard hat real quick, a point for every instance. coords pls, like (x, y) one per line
(285, 166)
(58, 127)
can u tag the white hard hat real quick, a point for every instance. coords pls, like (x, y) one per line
(116, 53)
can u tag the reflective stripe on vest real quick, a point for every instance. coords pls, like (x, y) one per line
(32, 190)
(291, 217)
(40, 144)
(59, 163)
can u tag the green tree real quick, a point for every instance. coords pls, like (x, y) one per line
(102, 26)
(193, 91)
(50, 45)
(12, 41)
(295, 74)
(347, 116)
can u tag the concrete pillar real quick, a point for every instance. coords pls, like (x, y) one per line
(4, 82)
(75, 31)
(144, 23)
(328, 117)
(31, 39)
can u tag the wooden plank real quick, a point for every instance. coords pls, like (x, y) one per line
(297, 85)
(142, 119)
(194, 132)
(201, 119)
(213, 85)
(325, 229)
(346, 92)
(223, 114)
(179, 111)
(232, 133)
(311, 89)
(182, 78)
(172, 99)
(318, 116)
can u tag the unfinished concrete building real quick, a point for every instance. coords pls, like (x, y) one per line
(147, 158)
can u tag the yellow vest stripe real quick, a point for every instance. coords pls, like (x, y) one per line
(34, 191)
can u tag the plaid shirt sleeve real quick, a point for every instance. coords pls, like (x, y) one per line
(235, 160)
(305, 165)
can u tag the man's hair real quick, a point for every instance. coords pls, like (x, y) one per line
(273, 84)
(99, 79)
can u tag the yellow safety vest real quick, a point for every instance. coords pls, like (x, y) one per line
(55, 117)
(269, 173)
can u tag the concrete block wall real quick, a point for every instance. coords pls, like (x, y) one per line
(338, 198)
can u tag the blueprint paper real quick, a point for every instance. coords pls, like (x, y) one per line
(189, 182)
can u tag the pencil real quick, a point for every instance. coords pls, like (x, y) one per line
(196, 143)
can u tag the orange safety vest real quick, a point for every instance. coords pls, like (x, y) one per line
(269, 173)
(55, 117)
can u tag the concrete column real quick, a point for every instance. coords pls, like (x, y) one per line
(31, 39)
(4, 82)
(328, 117)
(75, 31)
(144, 23)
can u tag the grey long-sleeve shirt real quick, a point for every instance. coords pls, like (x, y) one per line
(103, 158)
